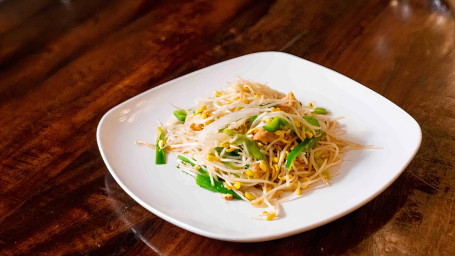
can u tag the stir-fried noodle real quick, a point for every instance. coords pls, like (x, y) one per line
(254, 143)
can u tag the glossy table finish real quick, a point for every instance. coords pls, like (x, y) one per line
(63, 64)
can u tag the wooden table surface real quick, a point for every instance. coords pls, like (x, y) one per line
(63, 64)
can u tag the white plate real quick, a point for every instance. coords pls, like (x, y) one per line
(370, 119)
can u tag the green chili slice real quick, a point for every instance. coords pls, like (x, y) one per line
(204, 182)
(235, 152)
(160, 155)
(305, 146)
(251, 145)
(230, 165)
(180, 114)
(186, 160)
(311, 120)
(275, 124)
(203, 171)
(320, 111)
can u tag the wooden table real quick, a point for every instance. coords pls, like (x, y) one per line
(63, 64)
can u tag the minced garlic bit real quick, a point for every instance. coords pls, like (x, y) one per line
(227, 196)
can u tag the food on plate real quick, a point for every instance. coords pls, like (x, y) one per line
(253, 143)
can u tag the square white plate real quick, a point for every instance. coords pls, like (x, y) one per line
(370, 119)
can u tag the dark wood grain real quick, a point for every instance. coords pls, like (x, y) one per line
(63, 64)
